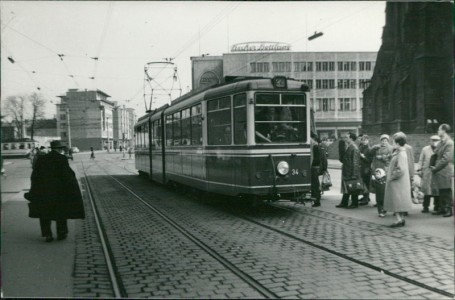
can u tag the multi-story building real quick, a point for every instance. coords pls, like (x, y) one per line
(412, 86)
(85, 119)
(124, 119)
(336, 79)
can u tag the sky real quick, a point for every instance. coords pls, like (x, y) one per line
(106, 45)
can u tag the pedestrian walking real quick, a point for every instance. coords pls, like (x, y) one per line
(70, 153)
(318, 167)
(365, 167)
(381, 155)
(121, 148)
(397, 197)
(41, 152)
(92, 154)
(443, 171)
(427, 186)
(54, 193)
(32, 154)
(130, 151)
(350, 170)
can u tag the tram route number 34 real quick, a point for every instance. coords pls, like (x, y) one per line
(294, 171)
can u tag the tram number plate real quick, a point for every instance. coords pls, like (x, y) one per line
(294, 171)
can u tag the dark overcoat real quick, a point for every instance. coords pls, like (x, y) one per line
(443, 169)
(55, 192)
(351, 166)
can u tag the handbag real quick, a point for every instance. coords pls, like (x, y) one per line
(326, 182)
(354, 186)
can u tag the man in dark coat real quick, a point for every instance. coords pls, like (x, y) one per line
(54, 194)
(350, 170)
(318, 167)
(443, 171)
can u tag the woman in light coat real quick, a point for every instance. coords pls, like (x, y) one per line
(397, 197)
(427, 187)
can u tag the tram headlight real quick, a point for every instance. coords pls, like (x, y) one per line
(282, 168)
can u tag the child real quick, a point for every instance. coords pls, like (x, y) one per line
(379, 179)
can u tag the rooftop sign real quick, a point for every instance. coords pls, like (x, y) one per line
(260, 47)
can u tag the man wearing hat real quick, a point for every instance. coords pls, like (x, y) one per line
(427, 187)
(54, 193)
(443, 171)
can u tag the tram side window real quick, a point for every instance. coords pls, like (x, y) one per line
(240, 119)
(186, 127)
(219, 121)
(13, 146)
(146, 135)
(22, 146)
(5, 146)
(176, 129)
(157, 134)
(196, 125)
(169, 136)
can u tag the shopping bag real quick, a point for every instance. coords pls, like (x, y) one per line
(326, 182)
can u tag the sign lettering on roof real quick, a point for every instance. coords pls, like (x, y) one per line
(260, 47)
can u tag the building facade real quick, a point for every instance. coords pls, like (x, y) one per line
(85, 119)
(124, 119)
(412, 85)
(336, 80)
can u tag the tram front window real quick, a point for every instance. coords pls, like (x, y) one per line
(280, 118)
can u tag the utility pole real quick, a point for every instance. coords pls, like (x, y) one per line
(108, 142)
(68, 134)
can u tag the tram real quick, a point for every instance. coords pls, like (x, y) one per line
(248, 137)
(20, 148)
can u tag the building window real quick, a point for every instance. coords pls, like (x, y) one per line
(259, 67)
(303, 66)
(63, 117)
(325, 66)
(346, 104)
(325, 104)
(346, 84)
(347, 66)
(325, 83)
(281, 66)
(364, 65)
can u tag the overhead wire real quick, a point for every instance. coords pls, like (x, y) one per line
(103, 36)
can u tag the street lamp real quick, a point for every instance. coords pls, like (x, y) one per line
(315, 35)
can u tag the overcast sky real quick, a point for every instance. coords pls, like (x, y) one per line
(125, 36)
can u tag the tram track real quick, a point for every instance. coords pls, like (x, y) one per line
(331, 251)
(115, 276)
(354, 260)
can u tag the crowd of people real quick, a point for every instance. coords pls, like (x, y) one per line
(387, 170)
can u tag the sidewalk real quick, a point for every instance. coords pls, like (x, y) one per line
(30, 266)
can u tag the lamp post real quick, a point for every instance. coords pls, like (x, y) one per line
(69, 127)
(107, 129)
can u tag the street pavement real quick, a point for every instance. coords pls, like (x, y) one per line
(33, 268)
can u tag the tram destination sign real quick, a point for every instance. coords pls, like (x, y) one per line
(260, 47)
